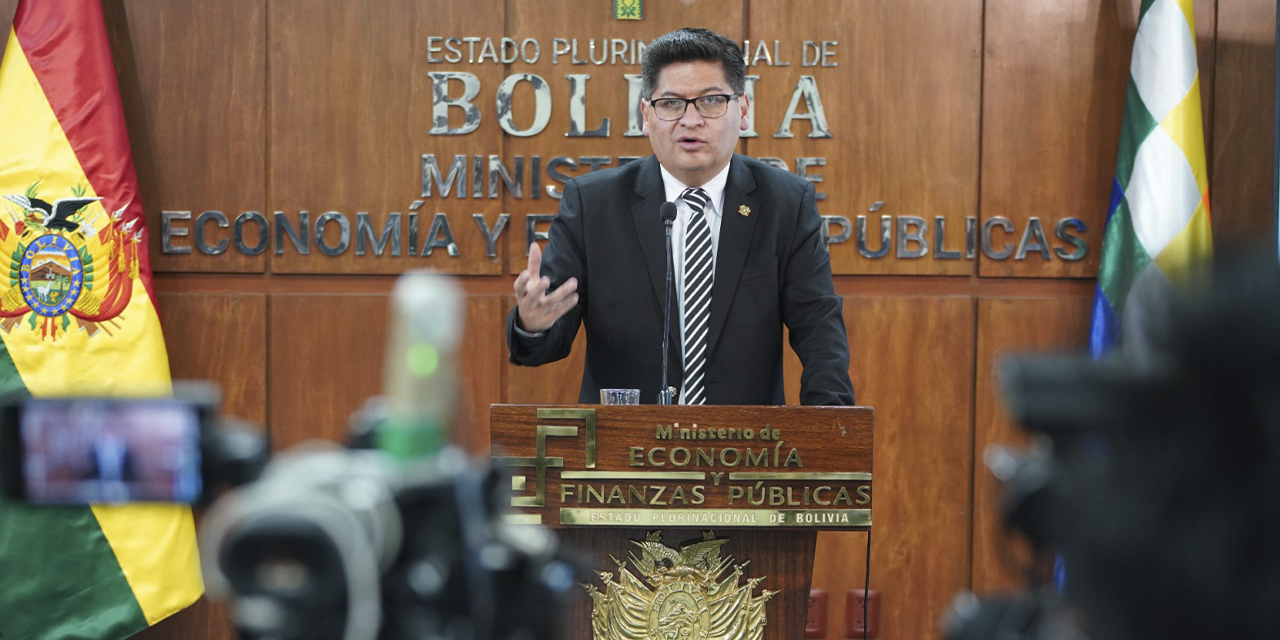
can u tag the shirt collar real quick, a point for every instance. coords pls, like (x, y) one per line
(714, 187)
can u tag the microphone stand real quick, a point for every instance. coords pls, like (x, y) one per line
(668, 393)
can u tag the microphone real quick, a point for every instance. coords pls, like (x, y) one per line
(668, 394)
(421, 368)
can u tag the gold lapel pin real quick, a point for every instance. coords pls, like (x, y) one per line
(744, 210)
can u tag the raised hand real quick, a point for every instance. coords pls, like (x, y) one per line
(537, 308)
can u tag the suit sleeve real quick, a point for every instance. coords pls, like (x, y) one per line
(563, 258)
(813, 313)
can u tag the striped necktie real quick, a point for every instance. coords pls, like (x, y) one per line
(699, 271)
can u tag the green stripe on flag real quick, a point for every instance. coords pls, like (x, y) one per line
(77, 573)
(1146, 6)
(1123, 258)
(57, 566)
(1138, 124)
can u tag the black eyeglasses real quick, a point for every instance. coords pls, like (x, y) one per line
(709, 106)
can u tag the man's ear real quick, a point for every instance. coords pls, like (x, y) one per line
(644, 118)
(744, 103)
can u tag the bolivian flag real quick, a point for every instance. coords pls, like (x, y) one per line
(78, 317)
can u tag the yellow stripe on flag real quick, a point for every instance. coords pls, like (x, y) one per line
(34, 147)
(1190, 248)
(1189, 11)
(162, 577)
(1185, 125)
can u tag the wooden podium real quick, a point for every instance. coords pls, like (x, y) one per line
(700, 522)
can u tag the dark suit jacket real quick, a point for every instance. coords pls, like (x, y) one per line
(771, 268)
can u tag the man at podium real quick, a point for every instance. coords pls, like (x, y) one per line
(747, 255)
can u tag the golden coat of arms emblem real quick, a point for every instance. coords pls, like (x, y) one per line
(678, 595)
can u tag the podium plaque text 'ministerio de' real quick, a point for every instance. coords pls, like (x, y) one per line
(681, 466)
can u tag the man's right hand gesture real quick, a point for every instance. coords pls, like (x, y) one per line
(536, 308)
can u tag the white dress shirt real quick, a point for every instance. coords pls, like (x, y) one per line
(714, 212)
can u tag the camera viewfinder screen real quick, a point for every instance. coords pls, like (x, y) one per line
(105, 451)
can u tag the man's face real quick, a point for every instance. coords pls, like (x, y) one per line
(694, 148)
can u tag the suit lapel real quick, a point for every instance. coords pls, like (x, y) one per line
(647, 217)
(735, 238)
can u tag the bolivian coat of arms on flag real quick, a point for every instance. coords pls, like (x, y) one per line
(69, 262)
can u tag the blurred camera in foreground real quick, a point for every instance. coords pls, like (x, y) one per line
(1154, 475)
(400, 537)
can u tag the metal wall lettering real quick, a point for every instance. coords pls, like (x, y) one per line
(535, 178)
(806, 88)
(168, 232)
(578, 109)
(814, 54)
(970, 237)
(635, 116)
(390, 233)
(1003, 223)
(749, 88)
(491, 235)
(440, 236)
(860, 232)
(344, 233)
(413, 234)
(846, 230)
(802, 170)
(264, 233)
(222, 222)
(431, 174)
(940, 238)
(531, 233)
(440, 102)
(300, 238)
(1033, 240)
(1076, 241)
(541, 104)
(911, 230)
(497, 171)
(553, 166)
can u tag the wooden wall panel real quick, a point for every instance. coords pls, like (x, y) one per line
(220, 338)
(589, 24)
(192, 78)
(904, 117)
(7, 7)
(351, 107)
(1242, 176)
(483, 353)
(912, 359)
(207, 619)
(553, 383)
(1010, 326)
(325, 358)
(1053, 102)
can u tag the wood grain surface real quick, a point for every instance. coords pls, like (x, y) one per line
(1010, 327)
(961, 110)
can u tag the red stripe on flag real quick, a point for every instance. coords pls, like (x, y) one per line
(66, 44)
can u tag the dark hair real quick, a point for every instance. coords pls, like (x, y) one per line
(689, 44)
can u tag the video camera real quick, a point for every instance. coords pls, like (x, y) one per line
(399, 537)
(1152, 477)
